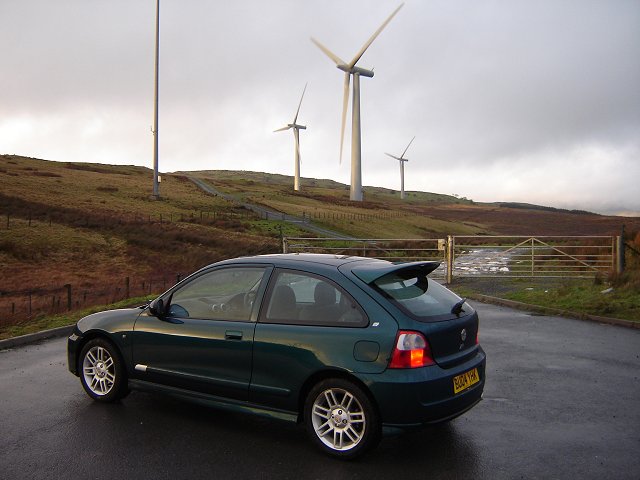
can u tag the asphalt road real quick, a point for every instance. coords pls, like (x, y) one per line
(561, 401)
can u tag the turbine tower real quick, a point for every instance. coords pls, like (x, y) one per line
(296, 135)
(401, 159)
(351, 69)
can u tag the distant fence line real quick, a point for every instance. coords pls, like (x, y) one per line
(202, 217)
(18, 306)
(31, 219)
(337, 215)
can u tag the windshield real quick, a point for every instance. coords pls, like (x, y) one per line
(420, 297)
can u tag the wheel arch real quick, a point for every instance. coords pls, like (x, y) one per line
(318, 377)
(91, 335)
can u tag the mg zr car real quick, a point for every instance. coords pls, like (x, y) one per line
(345, 345)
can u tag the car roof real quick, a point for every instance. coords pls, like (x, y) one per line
(302, 258)
(365, 268)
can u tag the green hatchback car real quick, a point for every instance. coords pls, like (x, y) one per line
(346, 345)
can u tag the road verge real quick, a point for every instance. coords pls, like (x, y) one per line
(35, 337)
(552, 311)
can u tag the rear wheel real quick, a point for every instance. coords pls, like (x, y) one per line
(341, 418)
(102, 372)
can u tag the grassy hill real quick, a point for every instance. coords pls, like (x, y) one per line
(97, 229)
(420, 215)
(86, 224)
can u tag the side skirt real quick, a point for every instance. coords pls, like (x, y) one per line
(213, 401)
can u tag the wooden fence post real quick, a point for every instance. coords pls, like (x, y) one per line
(283, 240)
(68, 288)
(450, 259)
(620, 256)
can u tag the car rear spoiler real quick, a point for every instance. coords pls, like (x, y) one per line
(371, 272)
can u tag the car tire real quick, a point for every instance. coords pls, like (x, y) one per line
(341, 418)
(102, 372)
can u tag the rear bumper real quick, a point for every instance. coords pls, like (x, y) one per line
(414, 397)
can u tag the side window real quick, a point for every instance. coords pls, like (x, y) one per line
(224, 294)
(306, 299)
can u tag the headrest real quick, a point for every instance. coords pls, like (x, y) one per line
(324, 294)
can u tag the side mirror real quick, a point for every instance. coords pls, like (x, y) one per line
(156, 308)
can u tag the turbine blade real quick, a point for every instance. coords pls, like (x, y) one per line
(282, 129)
(405, 150)
(345, 104)
(295, 119)
(328, 52)
(373, 37)
(392, 156)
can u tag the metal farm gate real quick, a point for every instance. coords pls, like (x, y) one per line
(523, 256)
(483, 256)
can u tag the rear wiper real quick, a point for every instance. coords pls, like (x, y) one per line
(457, 308)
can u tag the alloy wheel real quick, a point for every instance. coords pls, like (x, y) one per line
(338, 419)
(99, 372)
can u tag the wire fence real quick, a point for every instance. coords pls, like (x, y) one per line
(339, 215)
(21, 306)
(393, 250)
(33, 219)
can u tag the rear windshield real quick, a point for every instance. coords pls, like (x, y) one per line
(419, 296)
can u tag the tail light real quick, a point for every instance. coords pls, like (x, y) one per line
(411, 351)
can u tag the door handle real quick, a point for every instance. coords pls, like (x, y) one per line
(233, 335)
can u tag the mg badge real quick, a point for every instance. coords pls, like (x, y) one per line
(463, 334)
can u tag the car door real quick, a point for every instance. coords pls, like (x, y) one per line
(308, 323)
(204, 342)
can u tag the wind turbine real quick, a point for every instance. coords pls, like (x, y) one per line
(351, 69)
(401, 159)
(296, 135)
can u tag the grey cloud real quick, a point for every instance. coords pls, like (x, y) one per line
(492, 88)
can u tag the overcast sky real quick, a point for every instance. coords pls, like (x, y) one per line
(529, 101)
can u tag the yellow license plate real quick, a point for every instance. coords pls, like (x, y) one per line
(464, 381)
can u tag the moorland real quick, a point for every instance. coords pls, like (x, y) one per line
(91, 226)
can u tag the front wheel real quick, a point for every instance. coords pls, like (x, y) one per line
(101, 371)
(341, 418)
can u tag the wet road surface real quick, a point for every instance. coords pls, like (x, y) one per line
(561, 401)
